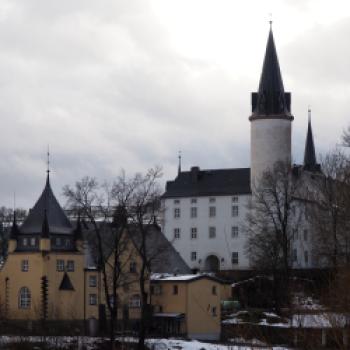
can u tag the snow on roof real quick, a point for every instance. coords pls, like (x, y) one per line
(171, 277)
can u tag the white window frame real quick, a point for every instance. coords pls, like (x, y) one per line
(235, 211)
(70, 265)
(234, 231)
(60, 265)
(193, 256)
(92, 299)
(24, 298)
(92, 281)
(212, 232)
(25, 265)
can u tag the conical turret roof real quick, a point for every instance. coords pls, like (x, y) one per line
(47, 205)
(310, 162)
(271, 98)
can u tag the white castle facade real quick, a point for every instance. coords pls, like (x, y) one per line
(205, 210)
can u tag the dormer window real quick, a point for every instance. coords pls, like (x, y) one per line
(25, 242)
(58, 241)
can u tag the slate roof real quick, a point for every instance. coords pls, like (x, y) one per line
(66, 283)
(164, 258)
(310, 162)
(56, 218)
(212, 182)
(271, 98)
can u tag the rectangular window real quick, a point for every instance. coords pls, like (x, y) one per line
(156, 289)
(133, 267)
(25, 242)
(295, 233)
(175, 290)
(234, 199)
(193, 256)
(92, 281)
(193, 232)
(306, 257)
(59, 265)
(193, 200)
(235, 210)
(176, 213)
(70, 265)
(92, 299)
(58, 241)
(295, 255)
(213, 290)
(177, 233)
(24, 265)
(213, 311)
(305, 235)
(193, 212)
(212, 200)
(212, 232)
(67, 242)
(234, 258)
(32, 241)
(234, 231)
(176, 201)
(212, 212)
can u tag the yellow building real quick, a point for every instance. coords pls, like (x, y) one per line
(187, 304)
(43, 274)
(51, 274)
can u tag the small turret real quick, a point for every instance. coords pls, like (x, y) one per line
(310, 162)
(271, 118)
(12, 245)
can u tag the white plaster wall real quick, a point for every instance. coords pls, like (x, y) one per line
(223, 245)
(270, 142)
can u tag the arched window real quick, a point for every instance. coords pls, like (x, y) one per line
(24, 298)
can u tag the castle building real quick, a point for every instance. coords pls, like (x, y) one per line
(51, 275)
(205, 210)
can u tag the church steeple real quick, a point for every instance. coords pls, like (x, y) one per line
(271, 100)
(310, 162)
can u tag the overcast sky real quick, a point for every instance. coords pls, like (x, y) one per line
(125, 84)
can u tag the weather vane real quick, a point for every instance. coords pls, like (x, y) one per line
(270, 19)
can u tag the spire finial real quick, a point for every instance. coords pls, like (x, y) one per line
(48, 160)
(270, 20)
(309, 113)
(179, 168)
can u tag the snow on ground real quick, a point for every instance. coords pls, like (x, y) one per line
(176, 344)
(154, 344)
(319, 320)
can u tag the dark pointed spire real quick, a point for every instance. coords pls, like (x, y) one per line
(271, 100)
(310, 162)
(45, 231)
(179, 167)
(14, 229)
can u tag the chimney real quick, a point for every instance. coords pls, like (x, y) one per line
(194, 174)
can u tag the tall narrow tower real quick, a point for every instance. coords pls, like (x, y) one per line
(271, 119)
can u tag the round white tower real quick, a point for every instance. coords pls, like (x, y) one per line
(271, 119)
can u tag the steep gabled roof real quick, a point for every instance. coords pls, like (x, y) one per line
(66, 283)
(216, 182)
(56, 218)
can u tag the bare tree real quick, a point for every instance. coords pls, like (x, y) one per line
(104, 209)
(346, 137)
(145, 208)
(269, 226)
(123, 212)
(330, 212)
